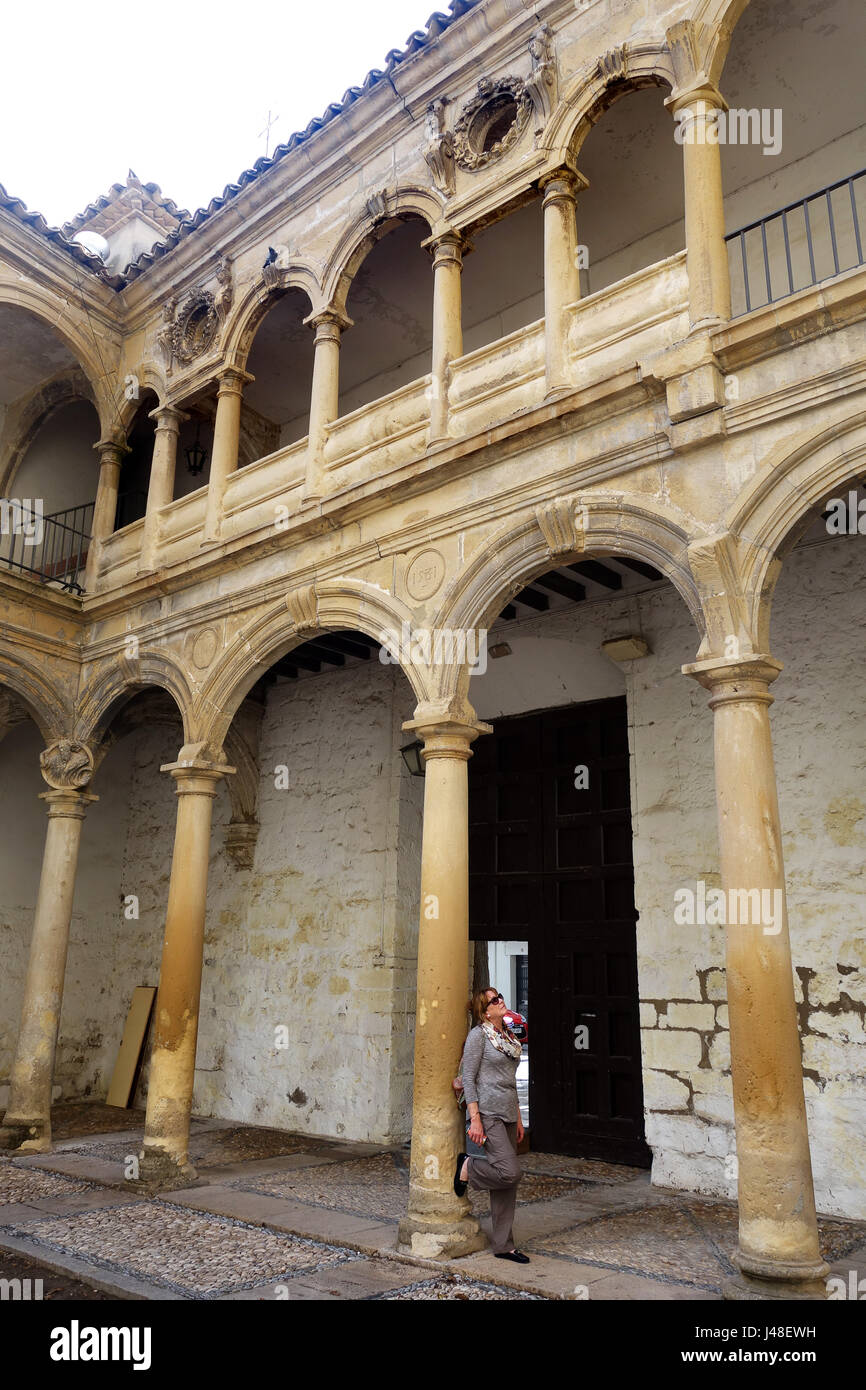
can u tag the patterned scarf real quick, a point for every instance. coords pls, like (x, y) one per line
(504, 1041)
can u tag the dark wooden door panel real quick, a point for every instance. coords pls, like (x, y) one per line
(550, 862)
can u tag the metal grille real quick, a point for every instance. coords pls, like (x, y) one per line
(802, 244)
(54, 547)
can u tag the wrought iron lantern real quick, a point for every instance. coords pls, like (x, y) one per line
(196, 456)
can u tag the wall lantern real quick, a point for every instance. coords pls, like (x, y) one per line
(411, 756)
(196, 456)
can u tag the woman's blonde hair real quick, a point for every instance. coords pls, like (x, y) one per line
(479, 1003)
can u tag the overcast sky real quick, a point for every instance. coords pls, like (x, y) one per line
(177, 90)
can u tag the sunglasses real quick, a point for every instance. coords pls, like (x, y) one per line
(495, 999)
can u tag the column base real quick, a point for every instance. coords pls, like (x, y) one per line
(440, 1240)
(159, 1171)
(31, 1136)
(769, 1279)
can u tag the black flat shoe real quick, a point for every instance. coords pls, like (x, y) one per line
(515, 1255)
(459, 1187)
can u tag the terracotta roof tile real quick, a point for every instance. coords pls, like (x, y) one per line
(186, 222)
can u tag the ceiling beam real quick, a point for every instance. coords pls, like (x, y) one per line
(557, 584)
(591, 569)
(646, 571)
(533, 599)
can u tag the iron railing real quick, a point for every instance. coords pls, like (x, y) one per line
(811, 240)
(53, 547)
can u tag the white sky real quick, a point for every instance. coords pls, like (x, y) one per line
(177, 90)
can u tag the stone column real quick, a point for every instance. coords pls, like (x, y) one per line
(111, 454)
(325, 395)
(447, 253)
(161, 487)
(778, 1251)
(226, 441)
(165, 1157)
(438, 1224)
(67, 767)
(561, 271)
(697, 111)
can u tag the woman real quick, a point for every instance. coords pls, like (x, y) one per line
(490, 1060)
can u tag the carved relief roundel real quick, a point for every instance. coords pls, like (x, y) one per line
(425, 574)
(492, 122)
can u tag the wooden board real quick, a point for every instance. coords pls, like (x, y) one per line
(131, 1047)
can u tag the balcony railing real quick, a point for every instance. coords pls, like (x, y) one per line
(54, 547)
(811, 240)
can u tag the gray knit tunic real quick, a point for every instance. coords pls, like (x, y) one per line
(489, 1077)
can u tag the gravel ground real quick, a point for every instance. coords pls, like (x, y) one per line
(198, 1254)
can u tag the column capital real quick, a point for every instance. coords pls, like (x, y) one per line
(67, 803)
(446, 734)
(329, 324)
(232, 380)
(736, 677)
(561, 184)
(111, 451)
(66, 765)
(700, 90)
(194, 773)
(168, 417)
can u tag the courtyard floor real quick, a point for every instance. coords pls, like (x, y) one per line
(282, 1216)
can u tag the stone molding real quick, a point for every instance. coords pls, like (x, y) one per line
(66, 764)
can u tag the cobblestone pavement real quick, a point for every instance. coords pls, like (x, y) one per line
(280, 1216)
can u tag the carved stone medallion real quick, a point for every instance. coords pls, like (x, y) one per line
(425, 574)
(492, 122)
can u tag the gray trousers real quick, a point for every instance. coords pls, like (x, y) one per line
(498, 1173)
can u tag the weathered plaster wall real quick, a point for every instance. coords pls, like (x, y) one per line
(60, 467)
(820, 752)
(103, 958)
(309, 955)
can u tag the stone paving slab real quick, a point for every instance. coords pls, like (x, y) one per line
(358, 1280)
(292, 1218)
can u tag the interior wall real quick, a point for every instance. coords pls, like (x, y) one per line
(61, 466)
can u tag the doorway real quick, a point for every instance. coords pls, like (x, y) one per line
(550, 865)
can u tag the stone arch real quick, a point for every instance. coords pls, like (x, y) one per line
(104, 695)
(329, 604)
(715, 22)
(48, 709)
(252, 307)
(773, 509)
(567, 528)
(24, 425)
(359, 239)
(594, 90)
(54, 312)
(150, 378)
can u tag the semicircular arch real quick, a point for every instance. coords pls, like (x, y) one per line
(329, 605)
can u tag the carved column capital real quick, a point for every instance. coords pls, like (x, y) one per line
(447, 249)
(232, 380)
(329, 325)
(111, 451)
(562, 184)
(168, 418)
(66, 764)
(736, 678)
(445, 733)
